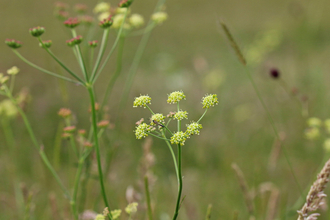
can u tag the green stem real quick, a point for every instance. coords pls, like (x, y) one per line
(101, 52)
(179, 121)
(112, 49)
(74, 146)
(208, 212)
(80, 57)
(97, 148)
(116, 74)
(12, 83)
(9, 135)
(165, 139)
(48, 72)
(146, 187)
(173, 157)
(176, 213)
(202, 116)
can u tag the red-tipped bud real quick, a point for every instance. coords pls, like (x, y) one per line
(61, 6)
(37, 31)
(72, 22)
(64, 112)
(103, 124)
(13, 43)
(78, 39)
(62, 15)
(80, 8)
(69, 129)
(82, 132)
(70, 42)
(74, 41)
(93, 43)
(46, 43)
(274, 73)
(125, 3)
(106, 23)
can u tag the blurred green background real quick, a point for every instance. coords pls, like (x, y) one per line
(188, 52)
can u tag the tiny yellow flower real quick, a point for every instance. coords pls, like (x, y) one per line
(101, 7)
(131, 208)
(103, 15)
(136, 20)
(175, 97)
(179, 138)
(210, 100)
(157, 119)
(142, 101)
(8, 109)
(115, 214)
(314, 122)
(13, 71)
(180, 115)
(99, 217)
(193, 128)
(159, 17)
(312, 133)
(3, 79)
(142, 130)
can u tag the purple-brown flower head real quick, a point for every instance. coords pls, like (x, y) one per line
(125, 3)
(106, 23)
(80, 8)
(93, 43)
(46, 43)
(37, 31)
(13, 43)
(72, 22)
(274, 73)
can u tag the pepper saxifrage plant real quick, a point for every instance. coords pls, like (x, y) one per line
(159, 128)
(123, 24)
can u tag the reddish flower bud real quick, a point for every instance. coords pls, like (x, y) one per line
(93, 43)
(72, 22)
(106, 23)
(69, 129)
(125, 3)
(61, 6)
(46, 43)
(80, 8)
(103, 124)
(74, 41)
(274, 73)
(64, 112)
(13, 43)
(62, 15)
(37, 31)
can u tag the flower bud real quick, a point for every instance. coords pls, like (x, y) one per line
(125, 3)
(37, 31)
(82, 132)
(106, 23)
(69, 129)
(46, 43)
(159, 17)
(64, 112)
(62, 15)
(3, 79)
(87, 20)
(80, 8)
(72, 22)
(13, 43)
(93, 43)
(274, 73)
(78, 39)
(13, 71)
(136, 20)
(103, 124)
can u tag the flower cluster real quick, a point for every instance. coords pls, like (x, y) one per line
(175, 97)
(180, 115)
(142, 101)
(74, 41)
(157, 119)
(179, 138)
(106, 22)
(210, 101)
(193, 128)
(37, 31)
(72, 22)
(14, 44)
(142, 130)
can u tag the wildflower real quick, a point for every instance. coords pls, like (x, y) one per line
(312, 133)
(82, 132)
(74, 41)
(170, 115)
(142, 101)
(181, 115)
(118, 21)
(159, 17)
(314, 122)
(131, 208)
(157, 118)
(274, 73)
(101, 7)
(3, 79)
(72, 22)
(179, 138)
(115, 213)
(142, 130)
(175, 97)
(37, 31)
(125, 3)
(122, 10)
(46, 43)
(66, 135)
(193, 128)
(8, 108)
(100, 217)
(13, 71)
(15, 44)
(103, 124)
(64, 112)
(69, 129)
(106, 23)
(80, 8)
(103, 16)
(93, 43)
(136, 20)
(209, 101)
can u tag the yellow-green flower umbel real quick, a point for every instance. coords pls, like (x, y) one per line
(142, 101)
(142, 130)
(179, 138)
(181, 115)
(175, 97)
(210, 101)
(157, 118)
(193, 128)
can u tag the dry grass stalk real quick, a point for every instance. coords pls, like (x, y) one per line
(233, 43)
(315, 195)
(275, 153)
(244, 188)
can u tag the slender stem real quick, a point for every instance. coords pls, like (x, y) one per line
(173, 157)
(12, 83)
(61, 63)
(48, 72)
(112, 49)
(165, 139)
(176, 213)
(140, 32)
(9, 135)
(80, 57)
(116, 74)
(101, 52)
(74, 146)
(146, 188)
(36, 145)
(179, 121)
(202, 116)
(208, 212)
(97, 148)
